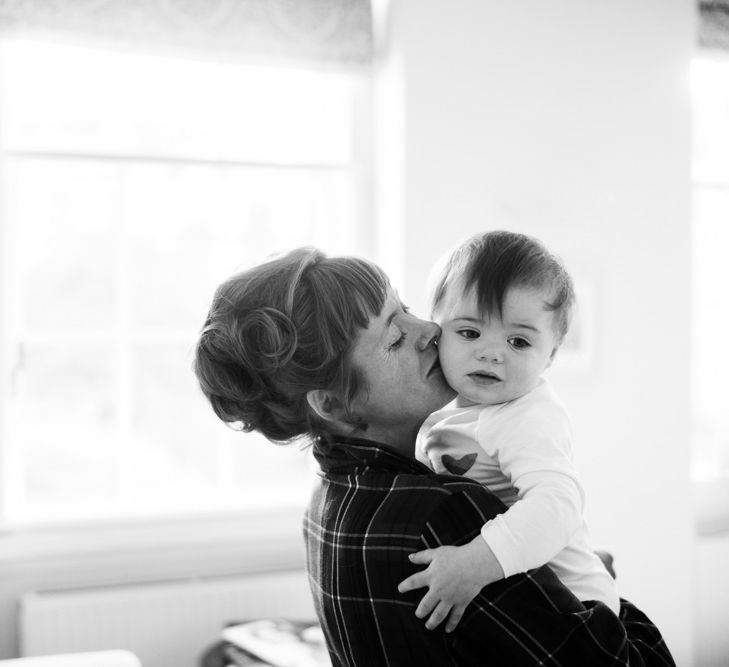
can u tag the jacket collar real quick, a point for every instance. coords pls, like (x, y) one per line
(344, 455)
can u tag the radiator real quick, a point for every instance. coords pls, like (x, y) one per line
(166, 624)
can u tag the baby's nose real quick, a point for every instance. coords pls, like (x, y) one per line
(490, 354)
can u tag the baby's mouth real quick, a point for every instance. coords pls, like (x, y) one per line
(486, 378)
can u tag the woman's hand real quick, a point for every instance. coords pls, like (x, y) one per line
(454, 576)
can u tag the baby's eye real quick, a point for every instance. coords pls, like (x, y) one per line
(468, 334)
(519, 343)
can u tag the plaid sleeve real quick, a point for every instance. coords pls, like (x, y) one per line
(533, 618)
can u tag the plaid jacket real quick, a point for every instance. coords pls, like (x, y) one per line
(372, 508)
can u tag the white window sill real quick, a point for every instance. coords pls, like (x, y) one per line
(134, 551)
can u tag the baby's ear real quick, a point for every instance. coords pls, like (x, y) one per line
(552, 356)
(326, 405)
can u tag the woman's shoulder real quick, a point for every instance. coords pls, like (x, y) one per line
(434, 507)
(460, 506)
(444, 488)
(427, 489)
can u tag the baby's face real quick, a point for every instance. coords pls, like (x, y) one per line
(488, 360)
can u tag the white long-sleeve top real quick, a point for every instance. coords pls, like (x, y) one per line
(521, 451)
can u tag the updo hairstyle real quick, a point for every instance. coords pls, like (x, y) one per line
(280, 329)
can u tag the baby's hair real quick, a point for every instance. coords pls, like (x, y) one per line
(495, 261)
(281, 329)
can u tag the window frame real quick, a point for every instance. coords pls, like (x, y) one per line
(710, 496)
(213, 543)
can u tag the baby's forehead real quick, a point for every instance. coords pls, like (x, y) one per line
(459, 298)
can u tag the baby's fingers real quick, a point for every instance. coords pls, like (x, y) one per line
(438, 615)
(413, 582)
(427, 605)
(423, 557)
(455, 617)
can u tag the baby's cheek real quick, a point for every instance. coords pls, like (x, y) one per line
(452, 368)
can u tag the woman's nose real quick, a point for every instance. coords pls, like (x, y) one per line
(428, 334)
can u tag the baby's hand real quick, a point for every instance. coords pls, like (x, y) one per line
(454, 576)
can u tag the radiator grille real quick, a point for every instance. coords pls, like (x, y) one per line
(166, 624)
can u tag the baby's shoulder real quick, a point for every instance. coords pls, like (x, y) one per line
(450, 416)
(542, 399)
(540, 412)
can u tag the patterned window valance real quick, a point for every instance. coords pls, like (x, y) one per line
(714, 24)
(324, 31)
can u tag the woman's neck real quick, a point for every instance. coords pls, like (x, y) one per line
(400, 439)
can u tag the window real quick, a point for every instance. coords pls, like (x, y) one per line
(130, 186)
(710, 321)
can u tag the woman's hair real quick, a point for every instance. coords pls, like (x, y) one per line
(281, 329)
(495, 261)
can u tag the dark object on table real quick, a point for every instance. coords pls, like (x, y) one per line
(276, 642)
(223, 654)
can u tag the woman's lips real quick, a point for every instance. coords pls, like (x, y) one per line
(435, 368)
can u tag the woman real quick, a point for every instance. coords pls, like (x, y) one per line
(306, 346)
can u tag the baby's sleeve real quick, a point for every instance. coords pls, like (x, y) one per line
(534, 452)
(422, 438)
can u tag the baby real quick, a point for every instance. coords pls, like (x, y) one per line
(503, 303)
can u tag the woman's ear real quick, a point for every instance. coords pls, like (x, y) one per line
(326, 405)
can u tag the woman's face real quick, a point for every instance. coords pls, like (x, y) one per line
(398, 359)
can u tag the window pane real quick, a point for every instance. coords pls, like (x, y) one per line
(62, 428)
(710, 271)
(110, 260)
(710, 322)
(157, 238)
(180, 453)
(710, 120)
(129, 254)
(61, 219)
(121, 103)
(191, 226)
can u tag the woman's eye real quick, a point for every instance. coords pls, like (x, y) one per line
(468, 334)
(398, 343)
(519, 343)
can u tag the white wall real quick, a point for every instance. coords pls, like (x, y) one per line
(711, 601)
(569, 120)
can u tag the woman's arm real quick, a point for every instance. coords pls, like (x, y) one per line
(530, 618)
